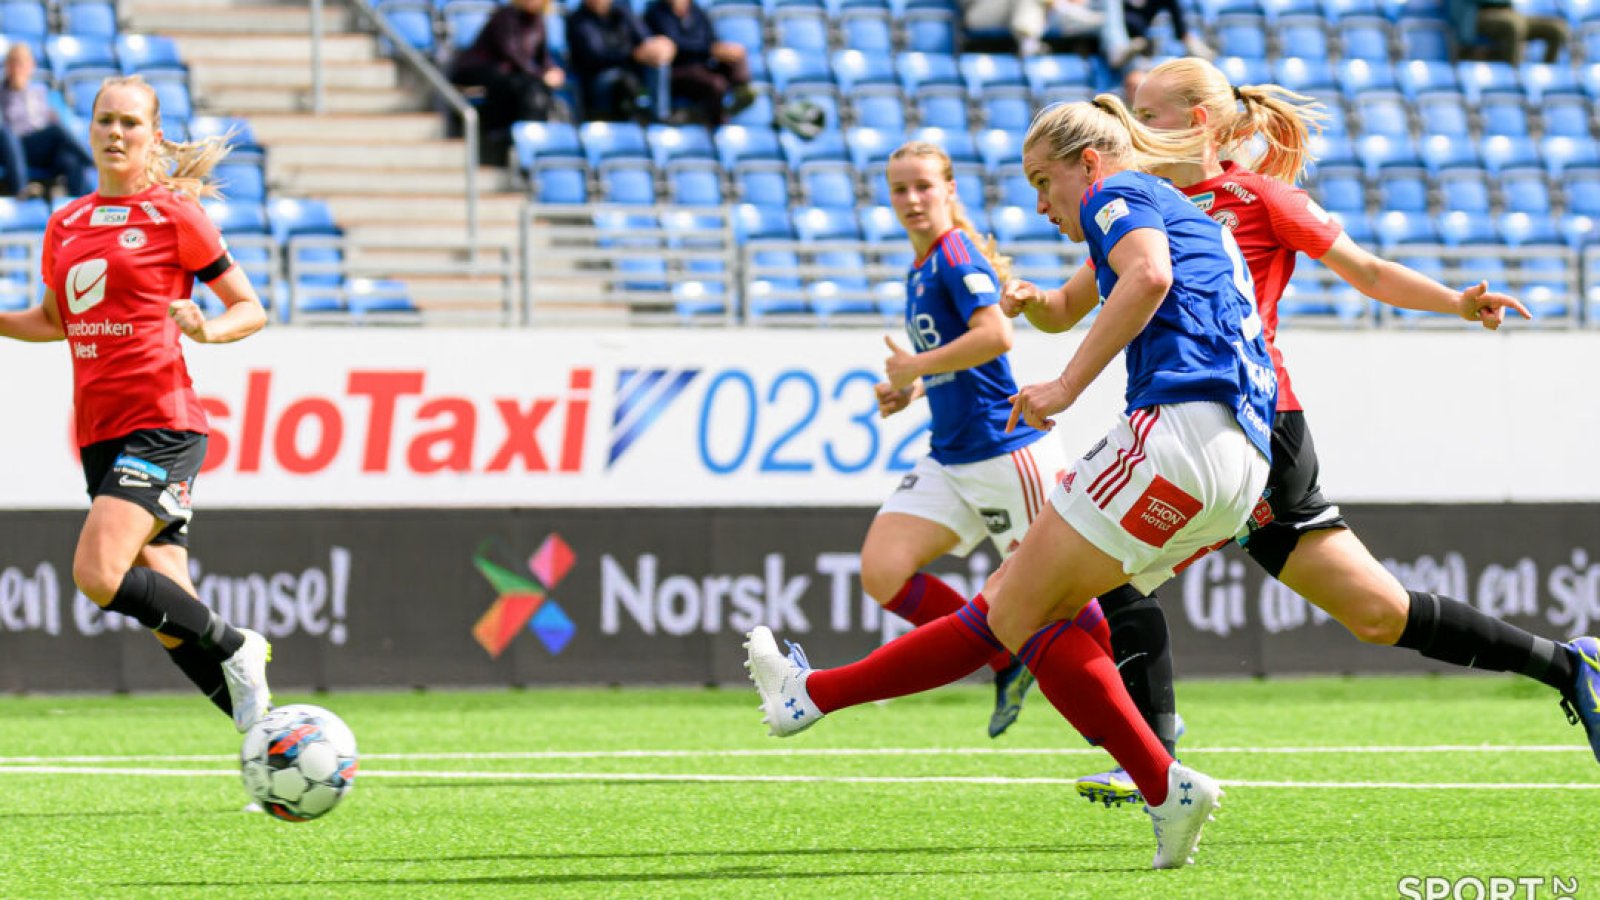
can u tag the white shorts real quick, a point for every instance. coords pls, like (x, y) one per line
(994, 498)
(1167, 484)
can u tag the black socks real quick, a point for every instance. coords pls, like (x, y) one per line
(1143, 654)
(205, 672)
(160, 604)
(1451, 631)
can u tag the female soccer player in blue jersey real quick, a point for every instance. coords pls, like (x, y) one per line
(1176, 475)
(978, 480)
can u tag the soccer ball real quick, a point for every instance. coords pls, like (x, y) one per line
(298, 762)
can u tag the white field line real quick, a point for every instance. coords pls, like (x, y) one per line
(788, 752)
(642, 777)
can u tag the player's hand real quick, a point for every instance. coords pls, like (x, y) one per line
(189, 318)
(1036, 403)
(1479, 304)
(891, 401)
(1016, 296)
(901, 366)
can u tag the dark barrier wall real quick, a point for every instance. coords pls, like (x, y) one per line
(482, 597)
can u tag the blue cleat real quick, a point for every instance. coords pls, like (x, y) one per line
(1584, 704)
(1011, 685)
(1115, 788)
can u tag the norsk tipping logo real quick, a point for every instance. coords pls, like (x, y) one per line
(526, 601)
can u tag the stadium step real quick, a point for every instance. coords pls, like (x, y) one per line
(206, 75)
(287, 130)
(251, 100)
(199, 46)
(171, 18)
(391, 154)
(440, 181)
(426, 234)
(495, 209)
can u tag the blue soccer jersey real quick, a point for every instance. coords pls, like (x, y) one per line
(1204, 342)
(969, 407)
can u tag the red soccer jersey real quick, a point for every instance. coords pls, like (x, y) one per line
(1271, 221)
(115, 263)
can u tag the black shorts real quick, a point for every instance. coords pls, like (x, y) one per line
(1293, 500)
(154, 468)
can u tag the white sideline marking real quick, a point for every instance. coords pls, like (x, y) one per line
(823, 752)
(646, 777)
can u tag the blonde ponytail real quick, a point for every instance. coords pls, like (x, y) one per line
(1284, 119)
(1107, 126)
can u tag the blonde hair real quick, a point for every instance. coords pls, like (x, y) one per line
(958, 213)
(182, 166)
(1107, 126)
(1284, 119)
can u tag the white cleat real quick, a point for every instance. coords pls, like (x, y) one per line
(246, 674)
(786, 708)
(1191, 800)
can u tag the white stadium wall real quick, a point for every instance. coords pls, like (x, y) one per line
(733, 418)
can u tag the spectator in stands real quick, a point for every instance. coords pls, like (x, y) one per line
(1495, 30)
(612, 55)
(510, 59)
(1139, 15)
(705, 70)
(31, 134)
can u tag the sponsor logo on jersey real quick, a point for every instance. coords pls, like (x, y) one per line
(979, 283)
(1227, 218)
(86, 285)
(998, 521)
(152, 213)
(1160, 512)
(1239, 192)
(1110, 213)
(109, 215)
(131, 238)
(1205, 201)
(77, 214)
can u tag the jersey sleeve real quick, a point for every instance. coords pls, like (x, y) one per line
(47, 254)
(1299, 222)
(201, 249)
(968, 278)
(1113, 209)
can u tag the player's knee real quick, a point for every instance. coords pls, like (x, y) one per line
(1013, 626)
(1382, 623)
(97, 579)
(883, 579)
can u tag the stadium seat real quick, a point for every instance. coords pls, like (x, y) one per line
(1358, 76)
(1245, 71)
(95, 19)
(1403, 193)
(566, 183)
(1525, 191)
(1048, 72)
(820, 223)
(792, 69)
(1445, 113)
(1366, 39)
(1243, 36)
(1017, 224)
(1395, 228)
(241, 180)
(1336, 10)
(881, 109)
(1481, 78)
(830, 184)
(942, 109)
(830, 145)
(854, 68)
(999, 148)
(463, 19)
(1384, 114)
(1380, 152)
(867, 33)
(956, 143)
(930, 31)
(1014, 188)
(762, 182)
(378, 296)
(737, 143)
(1546, 82)
(1342, 190)
(759, 113)
(1402, 10)
(1562, 154)
(918, 69)
(1278, 10)
(538, 143)
(629, 182)
(1332, 150)
(695, 182)
(237, 216)
(1465, 191)
(24, 19)
(1441, 153)
(869, 146)
(1566, 115)
(761, 223)
(1505, 116)
(412, 20)
(1521, 229)
(1300, 38)
(972, 185)
(801, 29)
(670, 143)
(90, 58)
(696, 299)
(742, 27)
(991, 74)
(290, 216)
(879, 224)
(236, 131)
(147, 53)
(603, 141)
(1007, 113)
(1423, 39)
(1583, 192)
(1420, 78)
(1459, 229)
(1501, 152)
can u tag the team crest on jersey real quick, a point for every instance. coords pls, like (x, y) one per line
(1227, 218)
(131, 238)
(109, 215)
(1110, 213)
(1205, 201)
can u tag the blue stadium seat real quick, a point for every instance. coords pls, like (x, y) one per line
(1366, 39)
(1446, 114)
(999, 148)
(1505, 116)
(1336, 10)
(1244, 71)
(1501, 152)
(148, 52)
(24, 19)
(1425, 39)
(1526, 192)
(853, 68)
(1466, 228)
(1442, 153)
(1465, 191)
(1013, 114)
(942, 109)
(828, 145)
(801, 29)
(1566, 115)
(879, 224)
(1332, 150)
(237, 216)
(1243, 36)
(1212, 10)
(566, 183)
(1015, 224)
(241, 180)
(695, 182)
(1403, 193)
(917, 69)
(1480, 78)
(759, 113)
(378, 296)
(90, 18)
(884, 110)
(1384, 114)
(957, 144)
(1583, 192)
(1300, 38)
(869, 146)
(1521, 229)
(628, 181)
(1380, 152)
(762, 182)
(972, 185)
(1420, 77)
(1562, 153)
(1278, 10)
(736, 143)
(669, 143)
(536, 143)
(740, 26)
(1047, 72)
(762, 223)
(292, 216)
(696, 299)
(1395, 228)
(604, 141)
(1579, 231)
(1402, 10)
(793, 69)
(1544, 82)
(1579, 11)
(991, 73)
(1358, 76)
(820, 223)
(868, 33)
(88, 57)
(1304, 75)
(463, 19)
(930, 31)
(831, 184)
(1014, 187)
(412, 20)
(1342, 190)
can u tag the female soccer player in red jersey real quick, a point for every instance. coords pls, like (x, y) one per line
(119, 269)
(1299, 537)
(1180, 470)
(977, 480)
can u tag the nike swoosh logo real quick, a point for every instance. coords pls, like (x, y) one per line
(1129, 660)
(125, 481)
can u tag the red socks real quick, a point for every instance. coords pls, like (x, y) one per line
(925, 598)
(938, 653)
(1082, 683)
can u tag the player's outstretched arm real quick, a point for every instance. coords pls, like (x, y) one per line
(988, 336)
(243, 317)
(1055, 310)
(39, 323)
(1399, 286)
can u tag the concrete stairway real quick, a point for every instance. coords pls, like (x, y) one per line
(378, 154)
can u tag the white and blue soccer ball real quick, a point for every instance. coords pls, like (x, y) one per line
(298, 762)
